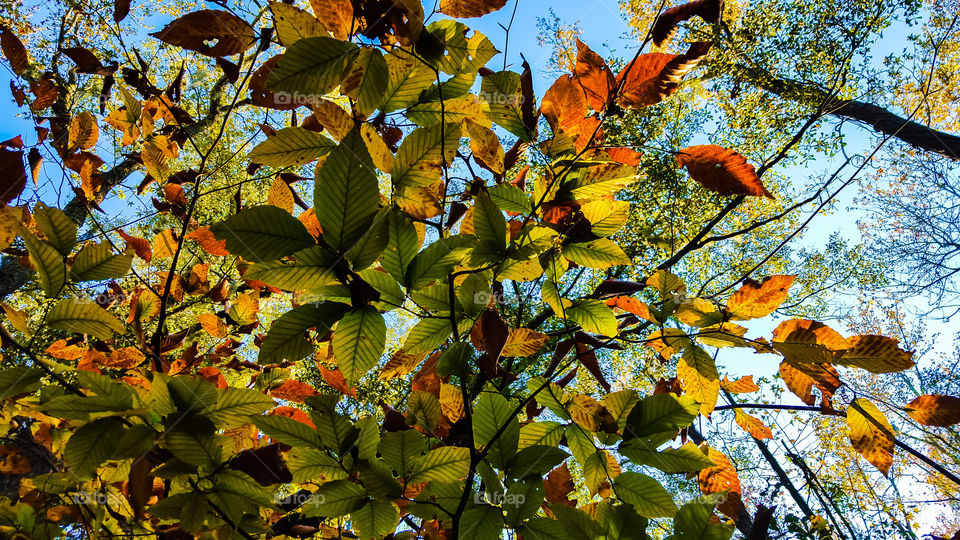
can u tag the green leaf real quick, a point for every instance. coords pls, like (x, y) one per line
(81, 317)
(296, 276)
(423, 410)
(437, 260)
(358, 342)
(364, 80)
(19, 380)
(291, 146)
(92, 444)
(391, 295)
(370, 246)
(536, 461)
(241, 484)
(593, 316)
(492, 413)
(408, 78)
(237, 405)
(541, 433)
(661, 413)
(686, 459)
(422, 154)
(522, 500)
(311, 67)
(285, 340)
(346, 194)
(193, 446)
(427, 335)
(61, 233)
(401, 449)
(402, 245)
(375, 519)
(510, 198)
(481, 522)
(47, 261)
(294, 24)
(337, 498)
(488, 222)
(311, 465)
(288, 431)
(502, 91)
(692, 522)
(597, 254)
(645, 494)
(97, 261)
(447, 464)
(263, 233)
(606, 217)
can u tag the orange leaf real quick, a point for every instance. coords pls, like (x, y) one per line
(632, 305)
(652, 77)
(463, 9)
(753, 425)
(523, 342)
(626, 156)
(213, 376)
(295, 391)
(401, 364)
(742, 385)
(722, 478)
(876, 354)
(336, 16)
(213, 325)
(209, 242)
(564, 105)
(294, 413)
(800, 379)
(125, 358)
(722, 170)
(935, 410)
(140, 246)
(60, 349)
(870, 433)
(594, 76)
(754, 300)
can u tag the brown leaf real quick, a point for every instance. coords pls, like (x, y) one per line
(213, 325)
(140, 246)
(45, 91)
(876, 354)
(294, 413)
(588, 358)
(870, 433)
(125, 358)
(722, 170)
(36, 164)
(262, 97)
(558, 485)
(594, 76)
(14, 50)
(666, 24)
(174, 194)
(209, 32)
(652, 77)
(86, 61)
(121, 8)
(336, 16)
(463, 9)
(754, 300)
(265, 465)
(935, 410)
(13, 175)
(295, 391)
(12, 461)
(753, 425)
(336, 380)
(213, 376)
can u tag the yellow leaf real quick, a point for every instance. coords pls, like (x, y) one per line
(83, 132)
(523, 342)
(244, 308)
(870, 433)
(698, 373)
(451, 402)
(485, 146)
(743, 385)
(164, 244)
(753, 425)
(213, 325)
(280, 195)
(754, 300)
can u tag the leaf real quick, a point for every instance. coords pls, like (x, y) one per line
(407, 79)
(14, 50)
(422, 154)
(666, 23)
(375, 519)
(743, 385)
(336, 498)
(83, 132)
(661, 413)
(754, 300)
(236, 406)
(485, 146)
(287, 431)
(294, 24)
(61, 233)
(82, 317)
(286, 341)
(336, 16)
(803, 341)
(686, 459)
(722, 478)
(753, 425)
(558, 485)
(423, 410)
(698, 312)
(876, 354)
(447, 464)
(564, 105)
(594, 77)
(121, 8)
(263, 233)
(493, 413)
(502, 92)
(291, 146)
(870, 433)
(358, 342)
(722, 171)
(523, 342)
(209, 32)
(652, 77)
(593, 316)
(800, 379)
(597, 254)
(695, 520)
(92, 444)
(364, 80)
(698, 372)
(97, 261)
(311, 67)
(462, 9)
(14, 177)
(935, 410)
(346, 193)
(645, 494)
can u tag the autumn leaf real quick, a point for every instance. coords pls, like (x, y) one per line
(593, 75)
(721, 478)
(213, 325)
(209, 32)
(722, 170)
(125, 358)
(209, 242)
(666, 23)
(876, 354)
(14, 177)
(870, 433)
(742, 385)
(935, 410)
(462, 9)
(295, 391)
(558, 485)
(753, 425)
(14, 50)
(523, 342)
(140, 246)
(652, 77)
(754, 300)
(335, 15)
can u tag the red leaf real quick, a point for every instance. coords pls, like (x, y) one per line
(139, 245)
(722, 170)
(650, 78)
(594, 76)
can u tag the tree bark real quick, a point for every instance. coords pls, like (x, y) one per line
(879, 119)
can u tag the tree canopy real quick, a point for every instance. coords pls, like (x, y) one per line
(280, 270)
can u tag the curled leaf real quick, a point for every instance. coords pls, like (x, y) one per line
(722, 170)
